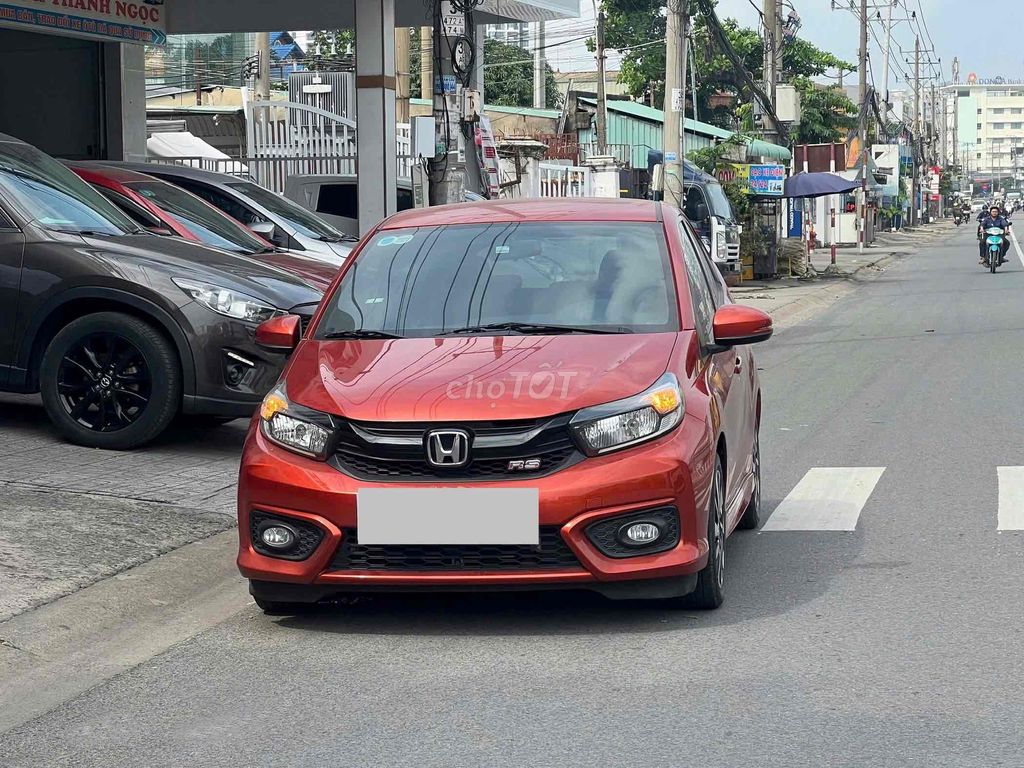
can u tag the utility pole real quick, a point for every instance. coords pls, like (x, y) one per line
(402, 94)
(863, 73)
(427, 63)
(675, 102)
(770, 11)
(539, 70)
(602, 103)
(263, 78)
(885, 62)
(917, 129)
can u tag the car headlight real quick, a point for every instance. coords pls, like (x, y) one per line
(637, 419)
(294, 427)
(227, 302)
(721, 247)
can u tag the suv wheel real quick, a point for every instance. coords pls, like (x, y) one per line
(110, 380)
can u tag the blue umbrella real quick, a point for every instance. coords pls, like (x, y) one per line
(817, 185)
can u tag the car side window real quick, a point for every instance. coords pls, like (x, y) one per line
(694, 199)
(132, 210)
(6, 225)
(226, 203)
(700, 294)
(338, 200)
(710, 272)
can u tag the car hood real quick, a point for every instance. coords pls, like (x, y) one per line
(474, 378)
(176, 257)
(316, 272)
(333, 253)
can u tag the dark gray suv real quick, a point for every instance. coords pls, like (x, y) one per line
(118, 329)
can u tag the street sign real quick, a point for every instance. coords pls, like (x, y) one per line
(678, 99)
(671, 157)
(453, 22)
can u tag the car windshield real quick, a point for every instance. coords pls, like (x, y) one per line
(718, 202)
(600, 277)
(54, 197)
(304, 222)
(203, 220)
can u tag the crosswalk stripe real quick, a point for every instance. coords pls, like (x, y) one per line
(1011, 498)
(826, 499)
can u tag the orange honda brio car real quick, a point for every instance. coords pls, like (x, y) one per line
(509, 395)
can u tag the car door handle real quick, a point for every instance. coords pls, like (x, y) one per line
(739, 364)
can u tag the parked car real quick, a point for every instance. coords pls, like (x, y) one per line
(581, 411)
(335, 198)
(164, 208)
(269, 215)
(119, 329)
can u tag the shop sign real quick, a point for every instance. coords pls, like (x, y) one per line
(124, 21)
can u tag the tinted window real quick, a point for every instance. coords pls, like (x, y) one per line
(53, 197)
(425, 281)
(301, 220)
(204, 221)
(700, 295)
(343, 200)
(135, 212)
(338, 200)
(225, 202)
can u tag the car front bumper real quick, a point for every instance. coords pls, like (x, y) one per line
(672, 471)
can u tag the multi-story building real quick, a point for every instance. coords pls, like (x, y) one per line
(513, 34)
(989, 131)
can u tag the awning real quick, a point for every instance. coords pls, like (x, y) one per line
(765, 149)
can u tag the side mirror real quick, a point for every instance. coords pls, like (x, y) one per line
(702, 212)
(736, 324)
(162, 231)
(263, 229)
(280, 333)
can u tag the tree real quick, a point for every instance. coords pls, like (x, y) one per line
(636, 28)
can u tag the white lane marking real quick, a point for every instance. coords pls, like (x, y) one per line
(826, 499)
(1011, 498)
(1016, 245)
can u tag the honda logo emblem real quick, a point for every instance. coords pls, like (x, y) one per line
(447, 448)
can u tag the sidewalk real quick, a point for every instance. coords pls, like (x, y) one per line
(790, 299)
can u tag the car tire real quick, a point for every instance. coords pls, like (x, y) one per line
(710, 590)
(752, 514)
(110, 380)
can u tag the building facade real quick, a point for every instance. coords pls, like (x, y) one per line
(989, 135)
(512, 34)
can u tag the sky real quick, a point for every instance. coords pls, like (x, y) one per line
(957, 29)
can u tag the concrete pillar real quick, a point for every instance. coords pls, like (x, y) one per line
(124, 95)
(376, 155)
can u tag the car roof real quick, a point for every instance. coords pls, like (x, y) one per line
(180, 171)
(110, 172)
(544, 209)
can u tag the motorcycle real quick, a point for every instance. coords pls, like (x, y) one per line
(959, 218)
(994, 240)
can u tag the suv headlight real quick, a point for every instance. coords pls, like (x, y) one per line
(637, 419)
(294, 427)
(721, 247)
(227, 302)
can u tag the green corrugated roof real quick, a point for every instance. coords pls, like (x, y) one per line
(525, 111)
(642, 111)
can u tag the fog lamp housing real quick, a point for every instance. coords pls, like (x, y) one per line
(645, 532)
(278, 536)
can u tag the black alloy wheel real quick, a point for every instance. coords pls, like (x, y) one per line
(110, 380)
(710, 590)
(103, 382)
(752, 514)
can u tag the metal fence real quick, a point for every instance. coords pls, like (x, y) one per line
(273, 172)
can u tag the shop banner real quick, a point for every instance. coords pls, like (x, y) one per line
(124, 21)
(767, 180)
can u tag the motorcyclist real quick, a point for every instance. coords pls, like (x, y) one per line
(994, 218)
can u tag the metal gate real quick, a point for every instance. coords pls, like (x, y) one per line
(564, 180)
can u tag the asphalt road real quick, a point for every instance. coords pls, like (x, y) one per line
(894, 644)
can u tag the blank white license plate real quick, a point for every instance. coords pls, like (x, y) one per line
(448, 515)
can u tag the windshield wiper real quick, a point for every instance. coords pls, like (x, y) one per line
(535, 328)
(361, 333)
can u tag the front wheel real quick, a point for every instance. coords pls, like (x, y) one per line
(110, 380)
(993, 261)
(752, 514)
(710, 590)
